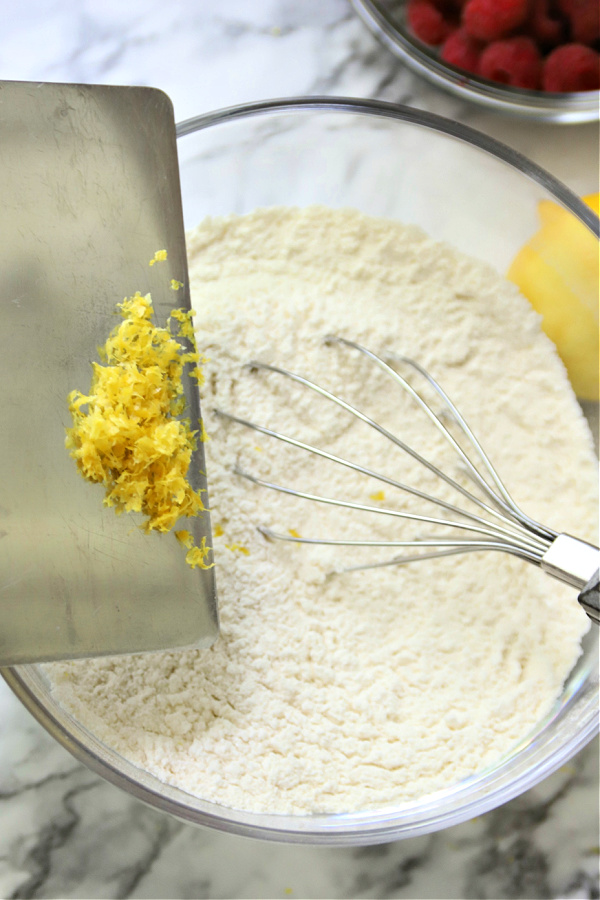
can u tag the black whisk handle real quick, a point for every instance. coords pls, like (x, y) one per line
(590, 598)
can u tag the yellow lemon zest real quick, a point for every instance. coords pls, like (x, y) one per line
(159, 256)
(125, 435)
(196, 557)
(238, 548)
(378, 495)
(186, 329)
(184, 537)
(176, 285)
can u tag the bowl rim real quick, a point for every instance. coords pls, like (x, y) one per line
(373, 826)
(413, 115)
(568, 108)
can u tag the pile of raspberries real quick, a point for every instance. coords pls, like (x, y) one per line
(547, 45)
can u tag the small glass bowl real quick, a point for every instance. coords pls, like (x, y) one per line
(387, 21)
(460, 186)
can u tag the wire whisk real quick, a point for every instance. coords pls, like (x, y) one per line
(499, 523)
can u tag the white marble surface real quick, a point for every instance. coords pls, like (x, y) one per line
(63, 831)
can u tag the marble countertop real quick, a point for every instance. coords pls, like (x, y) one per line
(64, 832)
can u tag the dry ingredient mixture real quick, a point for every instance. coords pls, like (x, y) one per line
(329, 693)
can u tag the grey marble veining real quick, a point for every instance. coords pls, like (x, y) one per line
(64, 832)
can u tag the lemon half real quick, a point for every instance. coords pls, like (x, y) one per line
(557, 270)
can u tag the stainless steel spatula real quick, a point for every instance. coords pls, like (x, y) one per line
(89, 191)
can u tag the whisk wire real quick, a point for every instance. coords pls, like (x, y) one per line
(493, 472)
(451, 546)
(349, 504)
(255, 365)
(508, 505)
(511, 530)
(504, 512)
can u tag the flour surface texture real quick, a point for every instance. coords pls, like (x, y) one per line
(329, 693)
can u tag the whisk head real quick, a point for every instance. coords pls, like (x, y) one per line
(493, 521)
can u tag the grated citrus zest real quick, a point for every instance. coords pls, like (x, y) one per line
(125, 433)
(159, 256)
(196, 557)
(238, 548)
(184, 537)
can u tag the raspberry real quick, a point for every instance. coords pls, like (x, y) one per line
(584, 16)
(584, 20)
(461, 50)
(544, 25)
(503, 40)
(490, 20)
(515, 61)
(427, 22)
(572, 67)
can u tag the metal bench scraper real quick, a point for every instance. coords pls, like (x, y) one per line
(89, 191)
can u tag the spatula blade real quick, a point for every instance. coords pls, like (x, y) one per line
(89, 191)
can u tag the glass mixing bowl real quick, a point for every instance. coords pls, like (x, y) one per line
(460, 186)
(387, 20)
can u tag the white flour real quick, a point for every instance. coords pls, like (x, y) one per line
(348, 692)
